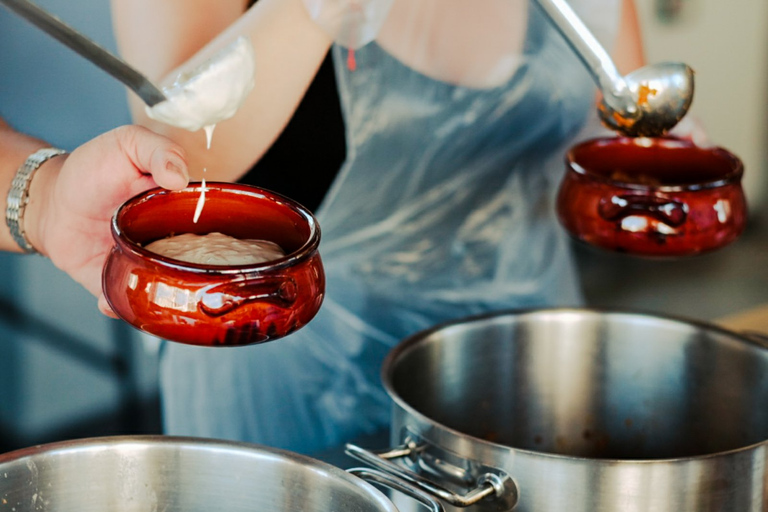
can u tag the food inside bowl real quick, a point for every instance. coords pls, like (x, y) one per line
(216, 249)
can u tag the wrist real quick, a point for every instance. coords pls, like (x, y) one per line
(27, 198)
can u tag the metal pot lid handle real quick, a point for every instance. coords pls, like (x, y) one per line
(489, 485)
(371, 475)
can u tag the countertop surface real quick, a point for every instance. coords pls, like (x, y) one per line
(728, 286)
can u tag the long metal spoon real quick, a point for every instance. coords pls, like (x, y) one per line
(65, 34)
(645, 103)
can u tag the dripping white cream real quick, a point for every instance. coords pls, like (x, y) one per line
(208, 94)
(201, 200)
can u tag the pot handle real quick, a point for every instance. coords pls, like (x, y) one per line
(671, 212)
(222, 298)
(392, 482)
(489, 485)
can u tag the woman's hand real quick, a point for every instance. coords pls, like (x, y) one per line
(73, 197)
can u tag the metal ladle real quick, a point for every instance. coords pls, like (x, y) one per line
(65, 34)
(645, 103)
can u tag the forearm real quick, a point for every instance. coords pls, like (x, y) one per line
(628, 52)
(160, 37)
(14, 150)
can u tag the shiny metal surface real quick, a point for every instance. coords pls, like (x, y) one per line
(397, 484)
(73, 39)
(663, 92)
(491, 485)
(165, 474)
(590, 410)
(645, 103)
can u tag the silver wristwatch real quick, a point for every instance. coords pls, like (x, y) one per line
(18, 195)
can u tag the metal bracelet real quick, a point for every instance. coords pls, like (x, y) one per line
(18, 195)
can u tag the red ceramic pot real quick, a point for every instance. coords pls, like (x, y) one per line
(652, 197)
(214, 305)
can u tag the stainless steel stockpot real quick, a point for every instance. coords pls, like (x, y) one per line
(174, 474)
(580, 410)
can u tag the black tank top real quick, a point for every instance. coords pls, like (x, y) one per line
(304, 160)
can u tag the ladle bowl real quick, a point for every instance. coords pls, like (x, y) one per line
(648, 102)
(661, 93)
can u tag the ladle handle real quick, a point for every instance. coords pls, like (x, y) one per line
(65, 34)
(600, 65)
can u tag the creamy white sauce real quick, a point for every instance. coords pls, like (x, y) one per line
(210, 93)
(216, 249)
(208, 135)
(200, 202)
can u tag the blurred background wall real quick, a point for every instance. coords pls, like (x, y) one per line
(726, 43)
(66, 371)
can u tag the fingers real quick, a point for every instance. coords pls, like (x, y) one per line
(168, 169)
(155, 155)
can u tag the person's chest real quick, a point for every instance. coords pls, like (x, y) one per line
(474, 43)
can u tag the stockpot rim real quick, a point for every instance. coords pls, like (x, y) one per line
(205, 443)
(411, 341)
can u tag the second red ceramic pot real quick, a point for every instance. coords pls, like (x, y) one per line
(652, 197)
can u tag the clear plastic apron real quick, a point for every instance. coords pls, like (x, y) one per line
(444, 208)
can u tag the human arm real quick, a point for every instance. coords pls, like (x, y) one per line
(72, 197)
(159, 36)
(628, 52)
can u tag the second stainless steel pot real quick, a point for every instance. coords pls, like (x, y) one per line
(584, 411)
(175, 474)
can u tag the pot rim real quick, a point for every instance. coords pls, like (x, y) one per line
(307, 250)
(199, 442)
(733, 176)
(412, 341)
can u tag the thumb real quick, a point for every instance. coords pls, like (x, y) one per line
(156, 155)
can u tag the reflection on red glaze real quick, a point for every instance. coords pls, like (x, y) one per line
(214, 305)
(671, 198)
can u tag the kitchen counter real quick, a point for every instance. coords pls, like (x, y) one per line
(753, 319)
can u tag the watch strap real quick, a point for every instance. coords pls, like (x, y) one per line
(18, 195)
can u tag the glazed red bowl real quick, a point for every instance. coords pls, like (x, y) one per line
(214, 305)
(659, 197)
